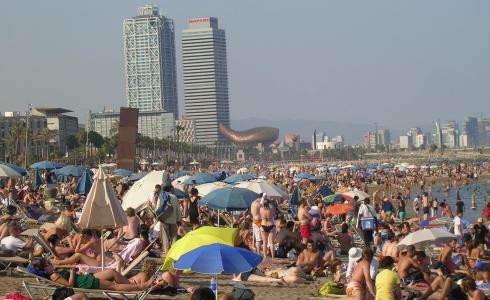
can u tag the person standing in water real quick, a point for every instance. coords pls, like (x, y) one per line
(473, 200)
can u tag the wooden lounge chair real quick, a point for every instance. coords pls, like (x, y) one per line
(138, 259)
(25, 217)
(46, 285)
(41, 240)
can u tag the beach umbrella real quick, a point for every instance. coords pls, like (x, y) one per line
(324, 191)
(207, 188)
(229, 198)
(303, 176)
(318, 178)
(339, 209)
(138, 193)
(180, 174)
(45, 165)
(38, 181)
(8, 172)
(71, 170)
(102, 209)
(84, 183)
(200, 178)
(205, 235)
(242, 171)
(239, 177)
(261, 186)
(435, 222)
(218, 259)
(122, 173)
(178, 183)
(338, 198)
(427, 237)
(351, 194)
(16, 168)
(137, 176)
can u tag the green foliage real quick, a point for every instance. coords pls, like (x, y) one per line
(95, 139)
(71, 142)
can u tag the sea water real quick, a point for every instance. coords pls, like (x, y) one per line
(482, 190)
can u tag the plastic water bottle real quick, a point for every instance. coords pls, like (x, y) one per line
(213, 285)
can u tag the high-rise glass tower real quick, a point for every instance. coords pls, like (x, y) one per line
(149, 56)
(205, 78)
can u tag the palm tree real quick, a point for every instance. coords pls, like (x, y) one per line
(14, 138)
(46, 136)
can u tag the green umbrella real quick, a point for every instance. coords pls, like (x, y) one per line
(333, 198)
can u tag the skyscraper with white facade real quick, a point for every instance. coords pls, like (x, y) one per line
(150, 65)
(205, 78)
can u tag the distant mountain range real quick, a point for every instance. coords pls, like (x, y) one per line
(352, 132)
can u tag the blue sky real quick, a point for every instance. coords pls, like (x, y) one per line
(398, 63)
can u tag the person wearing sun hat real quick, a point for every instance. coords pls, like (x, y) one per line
(480, 231)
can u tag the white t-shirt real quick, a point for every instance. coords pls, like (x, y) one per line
(12, 243)
(373, 267)
(457, 222)
(366, 211)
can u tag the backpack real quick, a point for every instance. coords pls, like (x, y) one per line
(163, 201)
(332, 288)
(241, 292)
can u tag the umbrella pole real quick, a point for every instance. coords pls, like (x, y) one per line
(218, 217)
(102, 247)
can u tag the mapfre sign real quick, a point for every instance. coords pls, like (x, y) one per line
(198, 20)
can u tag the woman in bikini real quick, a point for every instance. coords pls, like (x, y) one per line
(267, 231)
(106, 280)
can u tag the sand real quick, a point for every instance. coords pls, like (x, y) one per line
(13, 283)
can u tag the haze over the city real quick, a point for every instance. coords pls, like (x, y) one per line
(396, 63)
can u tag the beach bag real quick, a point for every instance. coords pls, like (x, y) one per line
(241, 292)
(164, 209)
(62, 293)
(332, 288)
(16, 296)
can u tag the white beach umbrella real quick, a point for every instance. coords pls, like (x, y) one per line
(360, 194)
(137, 195)
(427, 236)
(262, 186)
(102, 209)
(207, 188)
(8, 172)
(177, 183)
(412, 167)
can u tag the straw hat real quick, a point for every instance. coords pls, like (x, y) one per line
(355, 253)
(480, 220)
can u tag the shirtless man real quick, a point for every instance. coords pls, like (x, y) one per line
(257, 221)
(310, 259)
(361, 285)
(131, 230)
(304, 218)
(446, 255)
(406, 263)
(425, 206)
(286, 239)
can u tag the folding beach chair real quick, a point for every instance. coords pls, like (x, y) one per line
(47, 287)
(7, 262)
(26, 220)
(41, 240)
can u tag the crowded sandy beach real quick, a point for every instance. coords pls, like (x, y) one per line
(354, 230)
